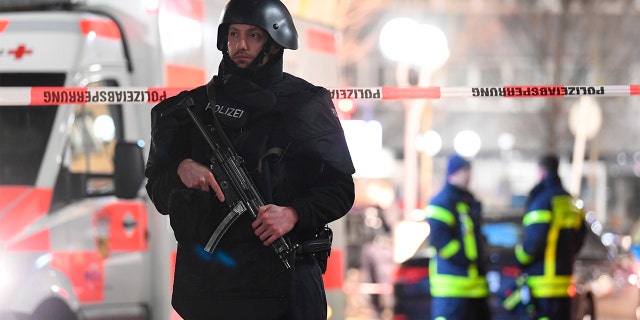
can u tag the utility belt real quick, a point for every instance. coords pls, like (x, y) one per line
(318, 248)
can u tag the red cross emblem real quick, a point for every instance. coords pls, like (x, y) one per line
(20, 51)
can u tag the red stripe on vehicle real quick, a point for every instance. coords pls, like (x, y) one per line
(85, 270)
(178, 75)
(124, 225)
(321, 40)
(103, 28)
(39, 241)
(20, 206)
(3, 25)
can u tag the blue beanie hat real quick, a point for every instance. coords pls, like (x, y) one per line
(456, 163)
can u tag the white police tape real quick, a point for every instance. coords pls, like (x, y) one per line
(43, 96)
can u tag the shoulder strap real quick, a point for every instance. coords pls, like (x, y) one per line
(211, 93)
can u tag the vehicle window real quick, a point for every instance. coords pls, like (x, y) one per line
(93, 138)
(501, 234)
(87, 168)
(24, 131)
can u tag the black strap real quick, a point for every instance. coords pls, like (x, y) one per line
(314, 246)
(211, 93)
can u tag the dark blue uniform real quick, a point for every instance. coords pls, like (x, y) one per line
(554, 231)
(457, 276)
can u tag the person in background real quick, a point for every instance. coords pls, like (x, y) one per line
(457, 273)
(376, 261)
(293, 147)
(553, 232)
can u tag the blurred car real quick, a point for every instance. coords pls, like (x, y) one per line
(411, 281)
(502, 233)
(606, 282)
(412, 300)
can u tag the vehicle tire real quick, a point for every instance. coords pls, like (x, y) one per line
(585, 309)
(53, 309)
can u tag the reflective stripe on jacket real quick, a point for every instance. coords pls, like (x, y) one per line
(552, 239)
(454, 271)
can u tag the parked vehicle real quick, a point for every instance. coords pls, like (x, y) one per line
(411, 283)
(607, 284)
(606, 278)
(502, 233)
(411, 288)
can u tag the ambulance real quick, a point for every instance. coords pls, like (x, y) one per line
(79, 238)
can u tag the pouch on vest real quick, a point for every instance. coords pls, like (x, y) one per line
(191, 216)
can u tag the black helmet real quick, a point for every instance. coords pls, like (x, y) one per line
(270, 15)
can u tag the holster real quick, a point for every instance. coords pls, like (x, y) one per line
(320, 247)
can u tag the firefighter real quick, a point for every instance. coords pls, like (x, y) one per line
(553, 232)
(457, 274)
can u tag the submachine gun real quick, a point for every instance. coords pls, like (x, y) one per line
(240, 192)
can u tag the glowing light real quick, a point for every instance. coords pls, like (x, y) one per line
(346, 105)
(179, 34)
(467, 143)
(596, 227)
(433, 51)
(626, 242)
(43, 260)
(61, 291)
(394, 38)
(608, 239)
(590, 217)
(104, 128)
(418, 215)
(506, 141)
(152, 6)
(430, 143)
(408, 237)
(6, 278)
(403, 39)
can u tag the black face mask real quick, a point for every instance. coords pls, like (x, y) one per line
(244, 95)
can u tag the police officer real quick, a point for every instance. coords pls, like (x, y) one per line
(554, 231)
(293, 146)
(456, 273)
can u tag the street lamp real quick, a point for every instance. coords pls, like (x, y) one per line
(410, 43)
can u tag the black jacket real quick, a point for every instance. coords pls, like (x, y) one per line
(311, 173)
